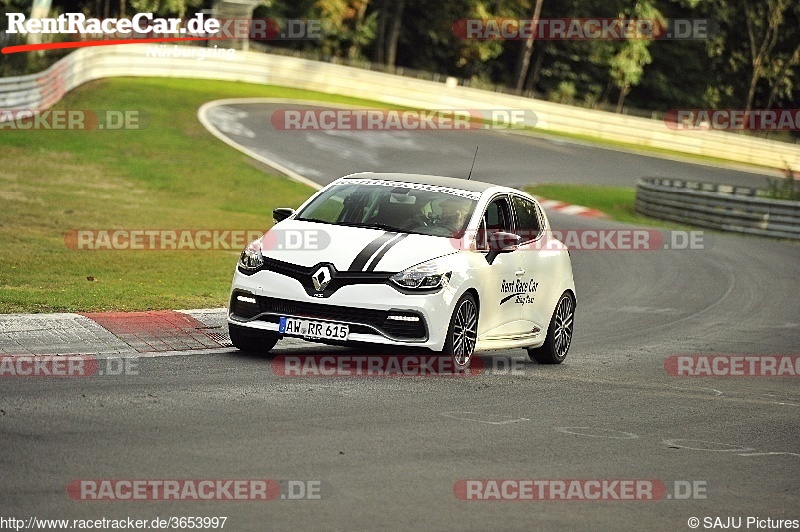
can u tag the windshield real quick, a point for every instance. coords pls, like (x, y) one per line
(394, 206)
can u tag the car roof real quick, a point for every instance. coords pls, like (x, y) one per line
(438, 181)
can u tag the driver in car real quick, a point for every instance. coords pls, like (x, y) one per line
(453, 216)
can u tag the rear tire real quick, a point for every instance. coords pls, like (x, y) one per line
(252, 341)
(559, 333)
(462, 333)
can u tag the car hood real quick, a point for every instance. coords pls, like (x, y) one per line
(351, 248)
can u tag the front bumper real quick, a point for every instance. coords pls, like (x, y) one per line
(375, 313)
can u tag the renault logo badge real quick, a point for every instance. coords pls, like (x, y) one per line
(321, 278)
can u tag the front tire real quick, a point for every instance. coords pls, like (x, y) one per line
(559, 333)
(462, 333)
(252, 341)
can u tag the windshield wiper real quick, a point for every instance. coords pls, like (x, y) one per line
(374, 225)
(316, 220)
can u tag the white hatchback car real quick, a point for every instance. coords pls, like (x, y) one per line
(447, 264)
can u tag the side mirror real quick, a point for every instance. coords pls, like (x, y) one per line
(501, 242)
(281, 213)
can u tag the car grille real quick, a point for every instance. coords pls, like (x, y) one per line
(302, 274)
(364, 321)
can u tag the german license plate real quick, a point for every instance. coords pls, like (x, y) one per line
(313, 329)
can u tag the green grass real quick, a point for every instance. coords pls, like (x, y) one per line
(616, 202)
(172, 174)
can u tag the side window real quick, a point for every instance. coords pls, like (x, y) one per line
(496, 218)
(528, 227)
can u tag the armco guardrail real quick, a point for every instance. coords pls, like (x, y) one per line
(720, 207)
(39, 91)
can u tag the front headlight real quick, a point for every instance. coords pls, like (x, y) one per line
(251, 258)
(426, 276)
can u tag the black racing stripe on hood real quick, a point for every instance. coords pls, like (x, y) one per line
(374, 262)
(361, 259)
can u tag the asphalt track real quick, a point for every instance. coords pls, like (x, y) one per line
(388, 451)
(505, 157)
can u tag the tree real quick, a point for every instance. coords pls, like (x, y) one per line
(394, 32)
(432, 42)
(379, 52)
(527, 49)
(766, 25)
(756, 52)
(627, 65)
(348, 27)
(390, 22)
(783, 79)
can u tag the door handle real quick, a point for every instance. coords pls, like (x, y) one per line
(519, 273)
